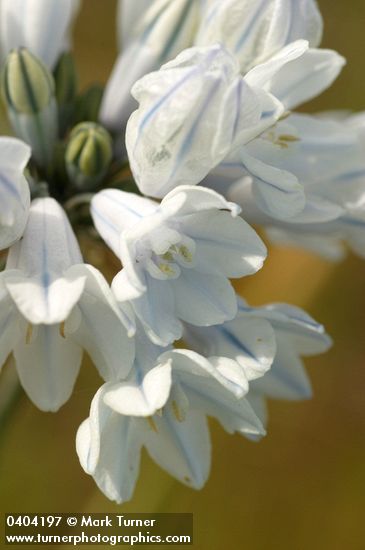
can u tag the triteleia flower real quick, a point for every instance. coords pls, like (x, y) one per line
(177, 256)
(42, 26)
(53, 305)
(163, 407)
(296, 334)
(151, 37)
(14, 190)
(192, 113)
(327, 156)
(259, 34)
(255, 31)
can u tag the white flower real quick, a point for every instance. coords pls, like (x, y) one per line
(177, 256)
(42, 26)
(192, 113)
(327, 156)
(14, 190)
(261, 34)
(296, 334)
(253, 31)
(163, 407)
(152, 33)
(53, 305)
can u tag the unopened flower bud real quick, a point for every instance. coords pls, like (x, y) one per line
(88, 104)
(29, 93)
(65, 76)
(88, 154)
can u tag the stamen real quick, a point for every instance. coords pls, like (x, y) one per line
(152, 424)
(62, 329)
(288, 137)
(180, 417)
(167, 269)
(185, 253)
(29, 333)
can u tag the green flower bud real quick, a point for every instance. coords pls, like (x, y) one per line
(88, 104)
(28, 91)
(27, 84)
(88, 155)
(65, 76)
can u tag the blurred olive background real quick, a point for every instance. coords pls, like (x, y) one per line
(303, 486)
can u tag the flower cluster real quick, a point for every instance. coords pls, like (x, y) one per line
(192, 139)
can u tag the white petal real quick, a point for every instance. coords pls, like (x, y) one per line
(277, 192)
(37, 268)
(117, 103)
(129, 14)
(9, 325)
(113, 211)
(104, 328)
(203, 300)
(306, 77)
(156, 311)
(181, 448)
(42, 26)
(43, 301)
(215, 400)
(162, 31)
(109, 448)
(304, 333)
(254, 31)
(224, 245)
(249, 341)
(14, 190)
(188, 365)
(262, 75)
(287, 378)
(144, 397)
(48, 366)
(49, 244)
(187, 199)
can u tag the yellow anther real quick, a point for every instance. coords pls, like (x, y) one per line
(177, 412)
(29, 333)
(62, 329)
(288, 138)
(152, 424)
(168, 256)
(185, 253)
(166, 269)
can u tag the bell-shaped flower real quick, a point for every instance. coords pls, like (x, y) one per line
(162, 406)
(153, 33)
(295, 334)
(14, 190)
(177, 256)
(192, 113)
(41, 26)
(255, 31)
(53, 305)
